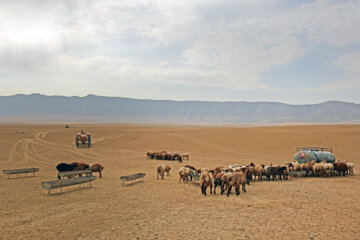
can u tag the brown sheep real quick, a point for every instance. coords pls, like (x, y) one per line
(258, 171)
(191, 167)
(150, 155)
(340, 167)
(286, 173)
(80, 166)
(205, 170)
(206, 180)
(160, 170)
(217, 181)
(185, 155)
(252, 171)
(237, 179)
(167, 169)
(225, 182)
(184, 173)
(296, 166)
(216, 171)
(97, 168)
(318, 169)
(307, 167)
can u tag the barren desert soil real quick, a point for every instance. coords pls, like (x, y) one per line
(301, 208)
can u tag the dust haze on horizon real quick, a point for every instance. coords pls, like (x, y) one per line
(295, 52)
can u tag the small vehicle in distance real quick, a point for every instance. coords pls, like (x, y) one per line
(83, 139)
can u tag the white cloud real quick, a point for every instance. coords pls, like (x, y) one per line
(226, 44)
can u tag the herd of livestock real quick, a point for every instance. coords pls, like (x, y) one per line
(164, 155)
(235, 176)
(65, 167)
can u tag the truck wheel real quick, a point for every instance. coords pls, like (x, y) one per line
(77, 141)
(89, 141)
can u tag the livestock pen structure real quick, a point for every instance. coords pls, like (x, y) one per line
(308, 154)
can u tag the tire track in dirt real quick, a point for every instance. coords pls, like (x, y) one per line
(14, 150)
(63, 148)
(21, 151)
(254, 155)
(25, 150)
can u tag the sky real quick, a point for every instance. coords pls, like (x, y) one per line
(293, 51)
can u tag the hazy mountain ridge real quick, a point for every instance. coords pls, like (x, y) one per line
(36, 107)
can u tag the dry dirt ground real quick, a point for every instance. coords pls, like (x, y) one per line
(301, 208)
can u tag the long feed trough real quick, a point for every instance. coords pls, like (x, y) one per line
(132, 177)
(20, 171)
(66, 182)
(75, 173)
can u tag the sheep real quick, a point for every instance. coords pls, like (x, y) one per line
(150, 155)
(80, 165)
(318, 169)
(218, 181)
(276, 170)
(248, 174)
(296, 166)
(184, 173)
(205, 170)
(340, 167)
(265, 172)
(191, 167)
(350, 167)
(206, 180)
(97, 168)
(290, 166)
(307, 167)
(167, 169)
(160, 170)
(193, 172)
(258, 171)
(252, 170)
(237, 179)
(283, 171)
(185, 155)
(328, 168)
(273, 171)
(225, 182)
(63, 167)
(216, 170)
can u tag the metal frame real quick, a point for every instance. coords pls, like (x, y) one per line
(317, 149)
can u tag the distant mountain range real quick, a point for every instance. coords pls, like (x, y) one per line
(98, 109)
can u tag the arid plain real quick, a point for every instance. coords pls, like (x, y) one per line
(301, 208)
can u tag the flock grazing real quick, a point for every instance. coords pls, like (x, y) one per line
(323, 169)
(164, 155)
(237, 177)
(64, 167)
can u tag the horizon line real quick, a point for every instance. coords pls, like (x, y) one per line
(147, 99)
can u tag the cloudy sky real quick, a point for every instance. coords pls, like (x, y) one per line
(293, 51)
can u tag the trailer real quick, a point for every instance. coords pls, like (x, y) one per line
(308, 154)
